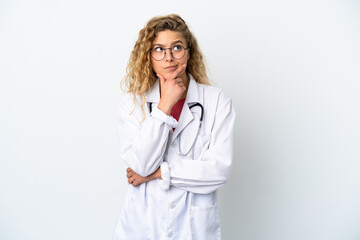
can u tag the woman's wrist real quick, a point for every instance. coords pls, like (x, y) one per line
(154, 175)
(158, 173)
(164, 107)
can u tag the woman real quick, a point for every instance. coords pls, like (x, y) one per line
(176, 161)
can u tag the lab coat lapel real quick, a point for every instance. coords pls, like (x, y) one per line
(186, 116)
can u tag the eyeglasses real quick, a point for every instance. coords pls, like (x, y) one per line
(177, 52)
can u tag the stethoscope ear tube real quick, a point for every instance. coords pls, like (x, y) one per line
(150, 107)
(202, 110)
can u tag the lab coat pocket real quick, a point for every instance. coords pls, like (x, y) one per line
(204, 222)
(201, 145)
(132, 218)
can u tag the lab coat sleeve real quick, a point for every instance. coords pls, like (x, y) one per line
(142, 144)
(165, 176)
(207, 174)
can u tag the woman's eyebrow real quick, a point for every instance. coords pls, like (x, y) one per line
(161, 45)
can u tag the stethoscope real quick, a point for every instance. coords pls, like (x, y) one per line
(198, 129)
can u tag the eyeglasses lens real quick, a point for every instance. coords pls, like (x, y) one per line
(158, 53)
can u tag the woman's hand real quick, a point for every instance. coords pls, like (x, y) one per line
(136, 179)
(172, 89)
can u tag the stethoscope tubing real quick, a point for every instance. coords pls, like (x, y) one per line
(194, 105)
(200, 123)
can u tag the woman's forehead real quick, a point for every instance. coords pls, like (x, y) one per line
(169, 37)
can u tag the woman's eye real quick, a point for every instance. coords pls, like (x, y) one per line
(158, 49)
(177, 47)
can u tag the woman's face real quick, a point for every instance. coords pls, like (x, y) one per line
(174, 40)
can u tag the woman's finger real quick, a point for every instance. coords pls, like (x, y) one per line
(134, 183)
(129, 174)
(130, 180)
(179, 70)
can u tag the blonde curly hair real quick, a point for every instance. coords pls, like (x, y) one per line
(140, 76)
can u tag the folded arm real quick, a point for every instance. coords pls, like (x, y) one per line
(212, 170)
(142, 145)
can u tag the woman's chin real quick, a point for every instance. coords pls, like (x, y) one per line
(166, 75)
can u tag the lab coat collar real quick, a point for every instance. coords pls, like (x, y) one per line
(193, 94)
(154, 94)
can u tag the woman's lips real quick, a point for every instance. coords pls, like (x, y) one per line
(171, 68)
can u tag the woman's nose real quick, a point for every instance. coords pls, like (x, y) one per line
(168, 55)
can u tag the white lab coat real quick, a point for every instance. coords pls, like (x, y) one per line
(183, 204)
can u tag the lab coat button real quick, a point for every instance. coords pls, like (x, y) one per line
(170, 234)
(172, 205)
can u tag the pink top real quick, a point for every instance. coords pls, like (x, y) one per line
(176, 110)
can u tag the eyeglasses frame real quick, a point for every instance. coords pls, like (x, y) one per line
(170, 53)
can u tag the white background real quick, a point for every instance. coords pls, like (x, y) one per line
(291, 68)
